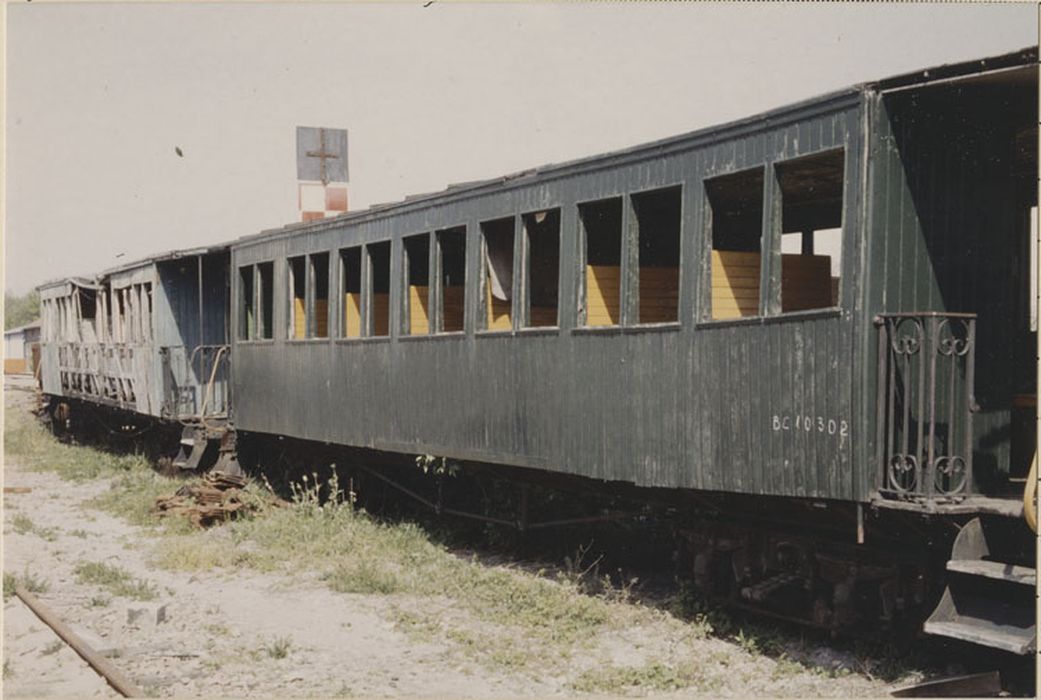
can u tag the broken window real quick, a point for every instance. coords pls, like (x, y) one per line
(378, 312)
(121, 309)
(602, 229)
(498, 273)
(320, 275)
(350, 276)
(297, 298)
(247, 300)
(736, 206)
(265, 292)
(451, 251)
(417, 284)
(658, 233)
(543, 245)
(811, 228)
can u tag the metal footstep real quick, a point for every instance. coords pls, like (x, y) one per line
(989, 598)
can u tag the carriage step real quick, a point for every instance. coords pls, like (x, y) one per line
(193, 446)
(984, 632)
(1001, 571)
(988, 601)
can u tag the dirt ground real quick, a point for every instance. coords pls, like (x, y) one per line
(225, 634)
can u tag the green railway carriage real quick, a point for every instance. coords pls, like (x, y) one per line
(710, 315)
(825, 305)
(814, 328)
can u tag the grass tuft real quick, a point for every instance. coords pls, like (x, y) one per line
(278, 648)
(653, 677)
(116, 581)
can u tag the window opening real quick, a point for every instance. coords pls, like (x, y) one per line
(451, 246)
(498, 273)
(658, 233)
(736, 205)
(146, 305)
(88, 315)
(298, 298)
(320, 275)
(265, 281)
(417, 283)
(811, 228)
(247, 322)
(350, 270)
(543, 232)
(121, 302)
(602, 226)
(379, 308)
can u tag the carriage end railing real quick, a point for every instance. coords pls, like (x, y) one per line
(925, 403)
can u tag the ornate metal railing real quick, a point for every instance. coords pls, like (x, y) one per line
(925, 404)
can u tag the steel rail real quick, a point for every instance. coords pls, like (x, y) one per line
(99, 663)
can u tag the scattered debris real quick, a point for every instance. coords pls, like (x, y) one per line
(218, 497)
(17, 489)
(151, 613)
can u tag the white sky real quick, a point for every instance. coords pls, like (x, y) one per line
(99, 95)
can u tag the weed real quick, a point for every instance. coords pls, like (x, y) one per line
(654, 677)
(279, 647)
(218, 629)
(36, 449)
(116, 581)
(22, 524)
(99, 601)
(10, 583)
(8, 669)
(32, 583)
(52, 648)
(78, 533)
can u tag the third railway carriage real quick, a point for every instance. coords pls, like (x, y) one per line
(149, 338)
(815, 328)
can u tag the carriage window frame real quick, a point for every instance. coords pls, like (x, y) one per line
(437, 305)
(263, 306)
(527, 222)
(775, 233)
(582, 262)
(483, 292)
(290, 297)
(418, 244)
(368, 291)
(317, 271)
(344, 276)
(247, 309)
(631, 225)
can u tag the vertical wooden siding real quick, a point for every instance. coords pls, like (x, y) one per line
(710, 405)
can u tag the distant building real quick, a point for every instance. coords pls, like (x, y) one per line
(22, 349)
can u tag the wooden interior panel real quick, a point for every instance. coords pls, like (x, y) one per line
(381, 313)
(659, 294)
(452, 305)
(735, 284)
(321, 318)
(805, 282)
(299, 319)
(603, 287)
(418, 309)
(352, 314)
(499, 318)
